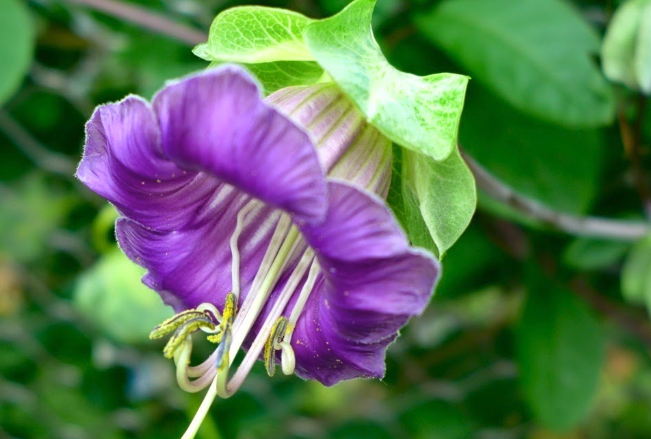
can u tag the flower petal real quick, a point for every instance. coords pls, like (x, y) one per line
(124, 162)
(371, 283)
(217, 122)
(193, 265)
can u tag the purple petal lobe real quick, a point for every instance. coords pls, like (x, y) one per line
(217, 122)
(192, 265)
(372, 282)
(123, 162)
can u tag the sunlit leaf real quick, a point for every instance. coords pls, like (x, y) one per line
(254, 34)
(536, 54)
(280, 74)
(439, 199)
(419, 113)
(643, 50)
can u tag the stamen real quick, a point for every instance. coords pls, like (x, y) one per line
(227, 318)
(226, 388)
(184, 331)
(182, 360)
(277, 333)
(287, 356)
(283, 227)
(173, 323)
(235, 262)
(262, 293)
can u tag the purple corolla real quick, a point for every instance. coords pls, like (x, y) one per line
(260, 222)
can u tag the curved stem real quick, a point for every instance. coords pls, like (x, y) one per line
(576, 225)
(147, 19)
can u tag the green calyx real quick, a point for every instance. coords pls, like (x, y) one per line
(419, 113)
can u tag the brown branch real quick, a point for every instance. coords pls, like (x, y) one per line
(147, 19)
(572, 224)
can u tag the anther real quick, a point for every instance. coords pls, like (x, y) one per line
(287, 357)
(273, 343)
(184, 331)
(173, 323)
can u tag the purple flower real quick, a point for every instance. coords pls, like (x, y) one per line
(225, 200)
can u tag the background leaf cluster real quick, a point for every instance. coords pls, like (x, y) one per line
(532, 333)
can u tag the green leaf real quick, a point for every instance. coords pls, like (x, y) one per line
(16, 45)
(560, 349)
(280, 74)
(30, 217)
(643, 50)
(627, 43)
(557, 166)
(536, 54)
(112, 297)
(255, 34)
(448, 420)
(594, 254)
(439, 199)
(419, 113)
(636, 274)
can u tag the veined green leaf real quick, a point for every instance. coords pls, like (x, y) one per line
(419, 113)
(560, 351)
(440, 196)
(536, 54)
(256, 34)
(280, 74)
(16, 45)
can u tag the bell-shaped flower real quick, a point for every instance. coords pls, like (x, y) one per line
(259, 222)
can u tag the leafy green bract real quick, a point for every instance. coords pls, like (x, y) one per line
(536, 54)
(420, 113)
(276, 75)
(253, 34)
(439, 199)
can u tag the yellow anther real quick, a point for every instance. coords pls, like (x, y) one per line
(215, 338)
(184, 331)
(174, 322)
(229, 308)
(273, 343)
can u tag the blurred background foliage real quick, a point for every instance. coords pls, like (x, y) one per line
(532, 333)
